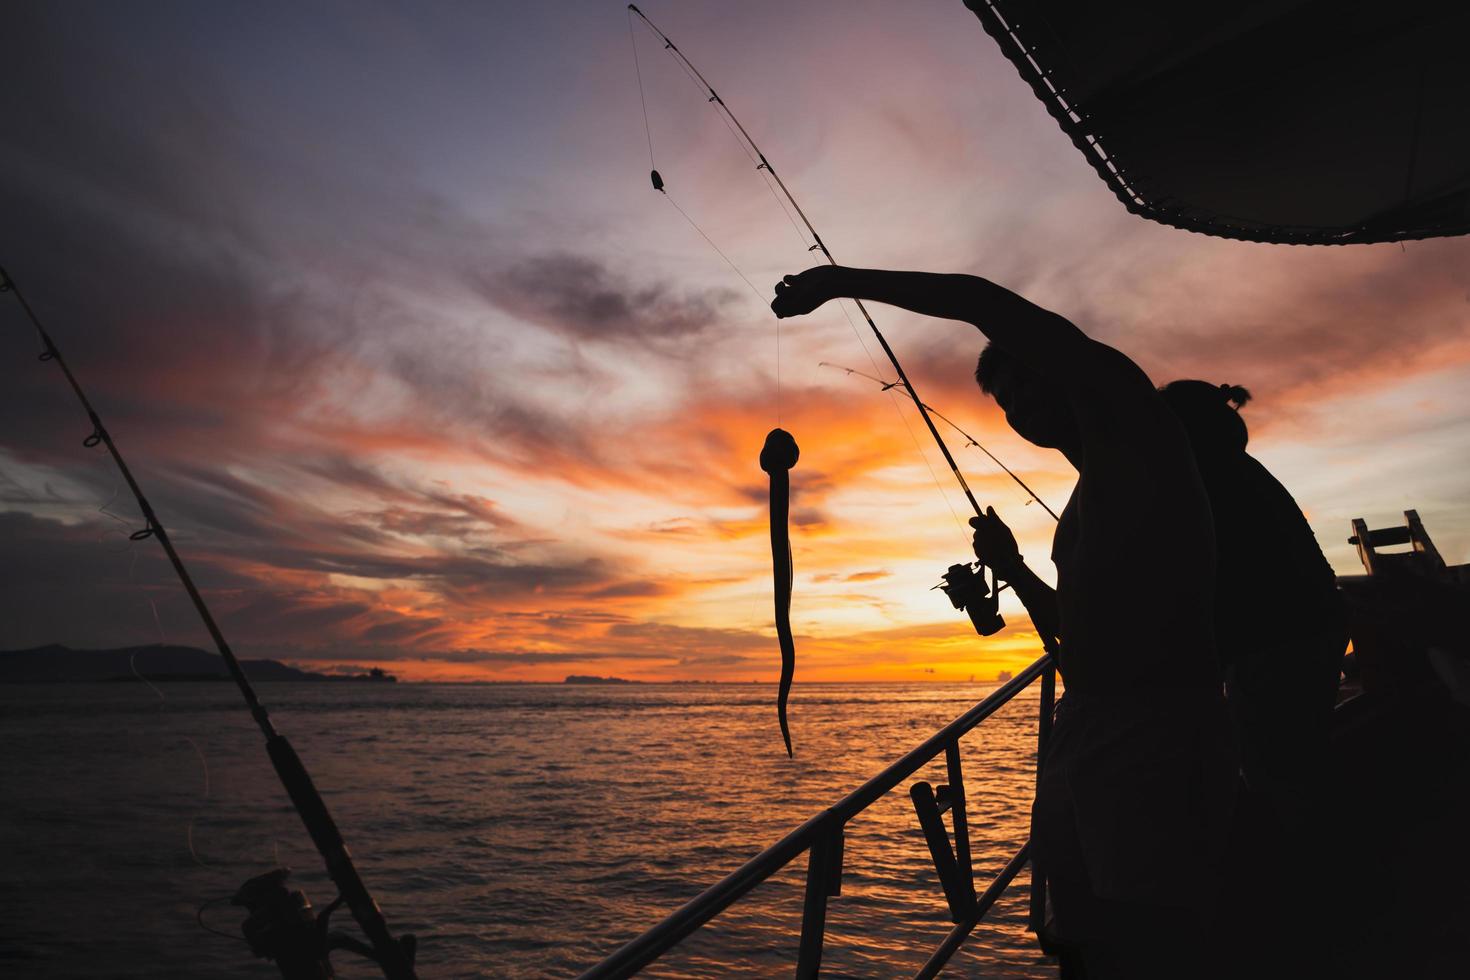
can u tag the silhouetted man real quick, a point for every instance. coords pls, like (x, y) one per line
(1280, 629)
(1133, 803)
(1280, 626)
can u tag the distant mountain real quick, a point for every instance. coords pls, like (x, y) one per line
(594, 679)
(56, 663)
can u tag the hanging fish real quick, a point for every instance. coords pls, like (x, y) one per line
(778, 456)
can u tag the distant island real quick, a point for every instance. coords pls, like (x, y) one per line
(58, 664)
(594, 679)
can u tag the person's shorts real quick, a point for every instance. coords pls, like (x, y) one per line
(1138, 787)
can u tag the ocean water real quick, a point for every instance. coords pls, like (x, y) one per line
(518, 830)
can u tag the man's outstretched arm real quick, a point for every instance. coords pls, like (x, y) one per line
(1042, 340)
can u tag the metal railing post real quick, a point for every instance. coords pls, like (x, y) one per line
(956, 937)
(823, 880)
(960, 823)
(1037, 916)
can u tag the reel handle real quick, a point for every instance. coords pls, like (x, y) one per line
(985, 611)
(968, 590)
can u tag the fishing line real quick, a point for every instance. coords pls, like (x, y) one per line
(124, 527)
(970, 440)
(820, 246)
(744, 148)
(647, 129)
(800, 235)
(808, 242)
(718, 251)
(760, 297)
(203, 762)
(904, 419)
(189, 840)
(199, 918)
(202, 806)
(132, 548)
(658, 185)
(133, 666)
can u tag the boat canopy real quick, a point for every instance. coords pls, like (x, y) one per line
(1290, 121)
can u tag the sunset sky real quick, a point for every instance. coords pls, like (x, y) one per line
(421, 372)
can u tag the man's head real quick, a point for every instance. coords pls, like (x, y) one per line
(1211, 415)
(1035, 407)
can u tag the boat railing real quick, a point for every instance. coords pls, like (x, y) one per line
(821, 838)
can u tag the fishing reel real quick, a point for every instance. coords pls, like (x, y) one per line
(281, 926)
(967, 589)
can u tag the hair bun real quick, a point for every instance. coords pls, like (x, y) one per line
(1235, 395)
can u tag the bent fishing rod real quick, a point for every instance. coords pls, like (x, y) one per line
(820, 246)
(969, 439)
(394, 956)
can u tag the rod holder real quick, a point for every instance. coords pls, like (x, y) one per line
(951, 860)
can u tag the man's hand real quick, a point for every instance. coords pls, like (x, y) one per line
(802, 293)
(995, 545)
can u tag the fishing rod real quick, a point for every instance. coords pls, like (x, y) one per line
(969, 439)
(820, 246)
(966, 584)
(276, 928)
